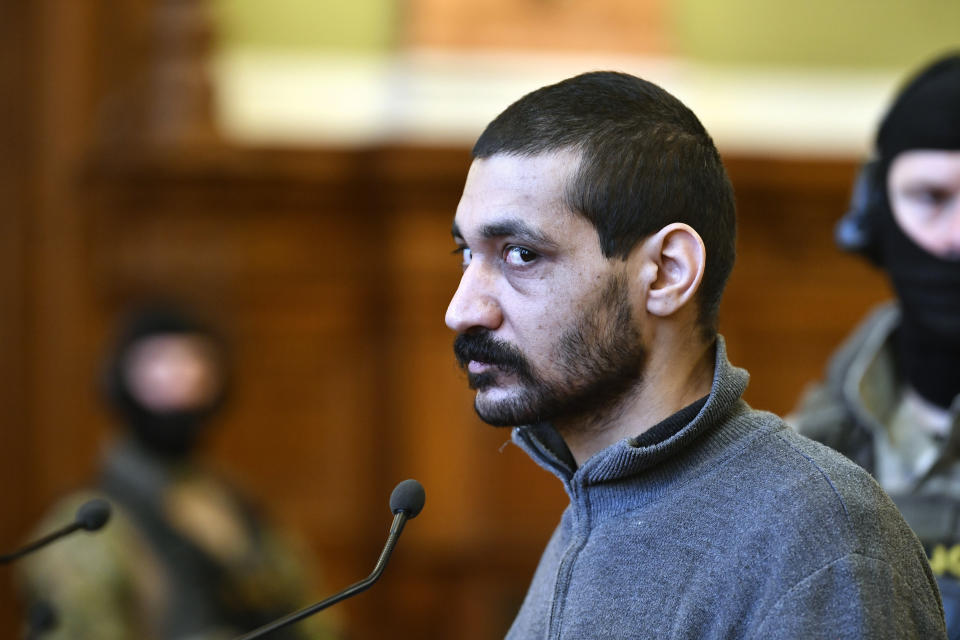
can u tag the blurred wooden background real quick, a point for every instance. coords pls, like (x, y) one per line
(330, 270)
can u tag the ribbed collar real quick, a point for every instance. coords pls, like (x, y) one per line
(659, 461)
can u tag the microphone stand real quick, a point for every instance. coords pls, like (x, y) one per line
(395, 529)
(91, 516)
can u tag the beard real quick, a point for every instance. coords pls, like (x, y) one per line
(595, 363)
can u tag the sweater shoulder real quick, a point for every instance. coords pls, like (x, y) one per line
(835, 492)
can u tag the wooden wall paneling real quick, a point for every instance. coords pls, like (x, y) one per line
(16, 142)
(287, 264)
(793, 294)
(60, 322)
(45, 81)
(17, 171)
(424, 441)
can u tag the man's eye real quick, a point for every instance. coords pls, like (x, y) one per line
(930, 196)
(519, 256)
(465, 255)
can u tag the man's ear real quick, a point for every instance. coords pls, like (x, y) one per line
(679, 255)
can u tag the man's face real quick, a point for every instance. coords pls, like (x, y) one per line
(924, 188)
(545, 324)
(172, 372)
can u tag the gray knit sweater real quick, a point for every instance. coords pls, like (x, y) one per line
(734, 526)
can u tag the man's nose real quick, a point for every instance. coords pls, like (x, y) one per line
(474, 303)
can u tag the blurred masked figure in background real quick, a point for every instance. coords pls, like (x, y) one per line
(891, 398)
(184, 556)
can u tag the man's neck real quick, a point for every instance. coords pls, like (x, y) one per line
(668, 385)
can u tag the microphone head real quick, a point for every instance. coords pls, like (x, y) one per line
(93, 514)
(408, 496)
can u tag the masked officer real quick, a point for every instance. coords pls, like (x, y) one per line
(185, 556)
(891, 396)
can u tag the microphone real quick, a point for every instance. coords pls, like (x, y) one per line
(91, 516)
(406, 501)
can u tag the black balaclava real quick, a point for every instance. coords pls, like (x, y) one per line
(171, 434)
(925, 115)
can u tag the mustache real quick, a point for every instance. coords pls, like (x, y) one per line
(483, 347)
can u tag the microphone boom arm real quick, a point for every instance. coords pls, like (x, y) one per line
(399, 520)
(91, 516)
(45, 540)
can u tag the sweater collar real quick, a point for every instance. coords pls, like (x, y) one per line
(631, 456)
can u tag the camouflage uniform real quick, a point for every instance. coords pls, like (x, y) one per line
(182, 557)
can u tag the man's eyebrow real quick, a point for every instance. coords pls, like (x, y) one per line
(510, 228)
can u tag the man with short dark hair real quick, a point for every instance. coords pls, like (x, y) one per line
(596, 229)
(891, 397)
